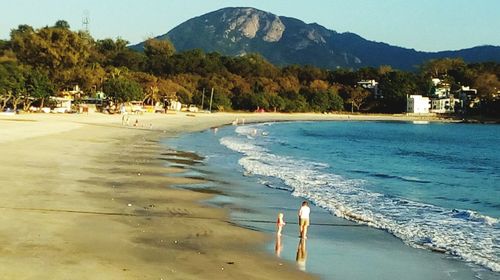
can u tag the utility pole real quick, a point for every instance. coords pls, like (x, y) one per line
(211, 96)
(202, 99)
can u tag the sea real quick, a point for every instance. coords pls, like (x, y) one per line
(390, 200)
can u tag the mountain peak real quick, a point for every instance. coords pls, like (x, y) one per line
(284, 40)
(251, 23)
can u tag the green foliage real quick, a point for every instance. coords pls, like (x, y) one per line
(294, 102)
(12, 85)
(54, 49)
(396, 86)
(121, 89)
(62, 24)
(221, 102)
(336, 102)
(38, 84)
(250, 65)
(116, 53)
(158, 53)
(184, 96)
(276, 103)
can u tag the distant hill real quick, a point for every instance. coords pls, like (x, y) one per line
(285, 40)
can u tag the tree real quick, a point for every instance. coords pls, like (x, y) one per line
(343, 76)
(288, 83)
(158, 53)
(38, 88)
(487, 85)
(320, 101)
(54, 49)
(439, 67)
(195, 61)
(109, 52)
(357, 96)
(336, 102)
(251, 65)
(131, 59)
(12, 85)
(121, 89)
(89, 78)
(396, 86)
(294, 102)
(384, 69)
(62, 24)
(276, 102)
(221, 101)
(309, 73)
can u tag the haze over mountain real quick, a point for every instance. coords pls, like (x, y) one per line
(285, 40)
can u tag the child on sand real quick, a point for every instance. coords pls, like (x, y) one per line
(280, 223)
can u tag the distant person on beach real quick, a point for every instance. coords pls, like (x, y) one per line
(304, 212)
(280, 223)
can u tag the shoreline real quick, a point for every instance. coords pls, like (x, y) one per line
(85, 197)
(46, 188)
(254, 206)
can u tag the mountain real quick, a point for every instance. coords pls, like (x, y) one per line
(285, 40)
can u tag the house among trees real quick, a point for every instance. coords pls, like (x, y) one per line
(442, 101)
(468, 98)
(372, 86)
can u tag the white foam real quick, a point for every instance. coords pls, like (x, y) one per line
(463, 233)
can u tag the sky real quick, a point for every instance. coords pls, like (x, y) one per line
(424, 25)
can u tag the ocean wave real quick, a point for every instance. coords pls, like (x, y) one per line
(463, 233)
(402, 178)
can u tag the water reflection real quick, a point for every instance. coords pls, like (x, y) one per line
(301, 257)
(278, 246)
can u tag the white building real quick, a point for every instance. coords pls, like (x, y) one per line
(417, 104)
(442, 105)
(441, 99)
(372, 86)
(440, 89)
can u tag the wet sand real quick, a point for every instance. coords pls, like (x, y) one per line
(85, 197)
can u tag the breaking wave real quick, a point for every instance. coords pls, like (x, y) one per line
(462, 233)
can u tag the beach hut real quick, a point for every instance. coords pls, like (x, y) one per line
(175, 105)
(62, 104)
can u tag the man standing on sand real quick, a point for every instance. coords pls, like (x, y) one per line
(304, 212)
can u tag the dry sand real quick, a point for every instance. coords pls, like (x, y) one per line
(85, 197)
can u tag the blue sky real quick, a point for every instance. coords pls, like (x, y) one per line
(427, 25)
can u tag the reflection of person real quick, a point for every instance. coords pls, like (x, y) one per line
(280, 223)
(279, 246)
(301, 254)
(304, 212)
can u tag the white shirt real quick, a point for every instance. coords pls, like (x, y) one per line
(304, 212)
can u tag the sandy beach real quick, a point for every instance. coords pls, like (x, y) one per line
(87, 197)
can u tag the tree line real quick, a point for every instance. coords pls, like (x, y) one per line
(38, 63)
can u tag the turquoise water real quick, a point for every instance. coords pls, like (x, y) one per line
(433, 187)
